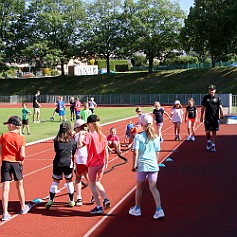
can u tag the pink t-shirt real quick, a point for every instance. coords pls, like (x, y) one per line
(96, 149)
(112, 138)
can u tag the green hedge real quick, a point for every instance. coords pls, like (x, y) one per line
(113, 64)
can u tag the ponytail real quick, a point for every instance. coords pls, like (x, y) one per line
(150, 132)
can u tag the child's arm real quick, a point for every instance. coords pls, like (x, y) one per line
(22, 153)
(135, 157)
(185, 116)
(167, 115)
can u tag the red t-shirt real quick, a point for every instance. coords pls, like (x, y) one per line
(96, 149)
(77, 105)
(112, 138)
(11, 146)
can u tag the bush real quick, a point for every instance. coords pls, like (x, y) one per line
(138, 61)
(180, 60)
(46, 71)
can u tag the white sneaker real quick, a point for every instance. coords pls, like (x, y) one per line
(135, 212)
(159, 214)
(6, 217)
(193, 138)
(189, 138)
(25, 209)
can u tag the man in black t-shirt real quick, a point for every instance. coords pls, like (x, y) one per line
(212, 106)
(36, 107)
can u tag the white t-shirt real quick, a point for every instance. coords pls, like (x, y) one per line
(177, 115)
(81, 154)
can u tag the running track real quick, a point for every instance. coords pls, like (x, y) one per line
(198, 193)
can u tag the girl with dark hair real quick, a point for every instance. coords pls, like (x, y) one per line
(65, 148)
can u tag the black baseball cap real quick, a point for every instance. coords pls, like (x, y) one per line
(212, 87)
(93, 118)
(14, 120)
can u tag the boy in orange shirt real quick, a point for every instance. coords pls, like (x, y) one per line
(12, 150)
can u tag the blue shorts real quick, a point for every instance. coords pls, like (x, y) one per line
(61, 112)
(151, 176)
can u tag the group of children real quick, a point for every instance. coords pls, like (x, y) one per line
(75, 109)
(91, 147)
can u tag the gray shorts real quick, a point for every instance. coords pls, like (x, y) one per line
(10, 169)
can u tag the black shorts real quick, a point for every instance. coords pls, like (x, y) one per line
(212, 125)
(11, 168)
(25, 121)
(58, 172)
(56, 110)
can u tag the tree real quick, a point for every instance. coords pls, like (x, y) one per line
(208, 28)
(102, 30)
(157, 28)
(56, 25)
(12, 34)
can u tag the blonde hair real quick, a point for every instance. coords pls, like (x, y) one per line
(150, 132)
(157, 103)
(97, 128)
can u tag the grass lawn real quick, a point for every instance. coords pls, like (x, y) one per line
(48, 128)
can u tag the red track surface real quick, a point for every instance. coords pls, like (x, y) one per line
(198, 193)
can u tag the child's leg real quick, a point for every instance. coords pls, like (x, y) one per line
(138, 194)
(21, 192)
(28, 129)
(175, 129)
(92, 174)
(23, 128)
(70, 190)
(5, 196)
(159, 131)
(189, 127)
(192, 128)
(78, 186)
(53, 189)
(155, 193)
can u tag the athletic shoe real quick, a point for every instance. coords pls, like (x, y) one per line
(78, 202)
(193, 138)
(189, 138)
(52, 119)
(209, 145)
(71, 203)
(106, 203)
(135, 212)
(25, 209)
(178, 138)
(213, 149)
(159, 214)
(97, 210)
(92, 200)
(6, 217)
(161, 140)
(49, 204)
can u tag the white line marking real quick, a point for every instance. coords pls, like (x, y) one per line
(108, 214)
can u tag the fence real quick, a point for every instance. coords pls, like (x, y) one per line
(228, 100)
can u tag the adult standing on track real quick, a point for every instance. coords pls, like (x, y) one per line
(212, 106)
(36, 107)
(145, 157)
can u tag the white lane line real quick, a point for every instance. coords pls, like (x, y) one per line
(109, 213)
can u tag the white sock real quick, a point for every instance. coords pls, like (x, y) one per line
(70, 187)
(54, 187)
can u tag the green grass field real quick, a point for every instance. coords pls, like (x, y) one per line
(47, 128)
